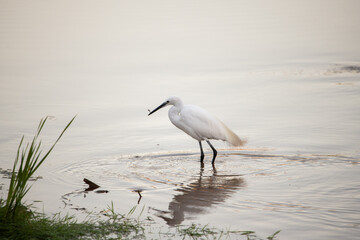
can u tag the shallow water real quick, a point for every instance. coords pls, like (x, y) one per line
(304, 195)
(285, 76)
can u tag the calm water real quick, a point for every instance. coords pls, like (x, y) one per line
(283, 75)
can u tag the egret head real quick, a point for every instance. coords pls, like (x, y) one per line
(170, 101)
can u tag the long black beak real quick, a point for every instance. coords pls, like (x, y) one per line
(161, 106)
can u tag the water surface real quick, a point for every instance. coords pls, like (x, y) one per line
(283, 75)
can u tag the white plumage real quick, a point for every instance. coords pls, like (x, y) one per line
(199, 124)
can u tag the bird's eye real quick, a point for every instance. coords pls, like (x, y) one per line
(167, 101)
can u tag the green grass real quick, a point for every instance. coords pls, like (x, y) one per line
(196, 231)
(20, 221)
(112, 226)
(27, 161)
(38, 226)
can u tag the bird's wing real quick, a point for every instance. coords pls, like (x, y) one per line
(202, 123)
(205, 126)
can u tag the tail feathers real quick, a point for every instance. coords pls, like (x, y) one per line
(233, 139)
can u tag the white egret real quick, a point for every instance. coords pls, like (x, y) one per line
(199, 124)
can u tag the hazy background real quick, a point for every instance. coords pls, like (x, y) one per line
(254, 64)
(283, 74)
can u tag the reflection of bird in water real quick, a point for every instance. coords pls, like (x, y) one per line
(199, 124)
(199, 195)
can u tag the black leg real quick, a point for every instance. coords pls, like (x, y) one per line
(214, 151)
(214, 170)
(201, 153)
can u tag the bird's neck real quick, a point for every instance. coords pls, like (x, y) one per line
(174, 114)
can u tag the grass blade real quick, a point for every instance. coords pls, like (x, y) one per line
(30, 160)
